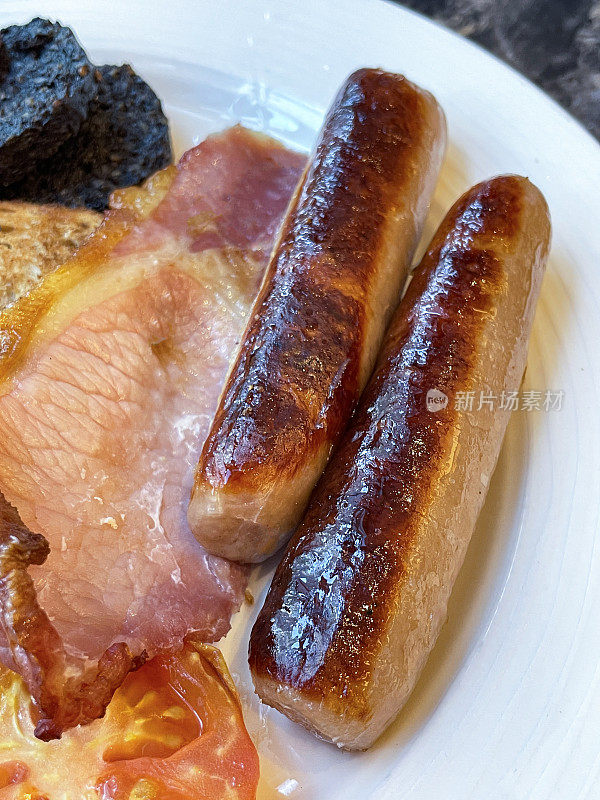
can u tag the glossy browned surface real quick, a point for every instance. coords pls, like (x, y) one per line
(327, 613)
(296, 377)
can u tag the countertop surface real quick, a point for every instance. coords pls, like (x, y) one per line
(555, 43)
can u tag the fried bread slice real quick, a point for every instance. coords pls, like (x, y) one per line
(34, 240)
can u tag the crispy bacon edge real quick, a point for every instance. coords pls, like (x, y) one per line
(66, 692)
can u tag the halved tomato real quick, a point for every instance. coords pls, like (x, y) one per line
(173, 731)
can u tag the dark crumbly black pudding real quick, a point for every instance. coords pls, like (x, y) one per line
(124, 140)
(47, 85)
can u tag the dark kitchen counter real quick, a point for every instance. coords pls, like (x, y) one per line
(555, 43)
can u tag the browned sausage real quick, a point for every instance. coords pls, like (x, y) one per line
(361, 594)
(335, 276)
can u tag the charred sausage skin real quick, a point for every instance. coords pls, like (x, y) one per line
(342, 258)
(361, 594)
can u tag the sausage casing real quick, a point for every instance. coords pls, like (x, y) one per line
(361, 594)
(338, 268)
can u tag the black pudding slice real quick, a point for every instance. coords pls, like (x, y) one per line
(46, 88)
(124, 140)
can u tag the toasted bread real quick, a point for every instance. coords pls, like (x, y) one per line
(34, 240)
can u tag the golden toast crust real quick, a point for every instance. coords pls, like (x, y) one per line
(34, 240)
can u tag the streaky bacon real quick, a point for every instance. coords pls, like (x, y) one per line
(110, 372)
(36, 649)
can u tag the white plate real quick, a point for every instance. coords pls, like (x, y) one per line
(508, 706)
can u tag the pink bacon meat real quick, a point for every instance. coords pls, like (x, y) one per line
(110, 373)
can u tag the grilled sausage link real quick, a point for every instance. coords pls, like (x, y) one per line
(359, 599)
(341, 260)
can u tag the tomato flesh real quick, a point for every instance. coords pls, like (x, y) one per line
(154, 719)
(173, 731)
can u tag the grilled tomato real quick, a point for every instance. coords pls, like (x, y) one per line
(173, 731)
